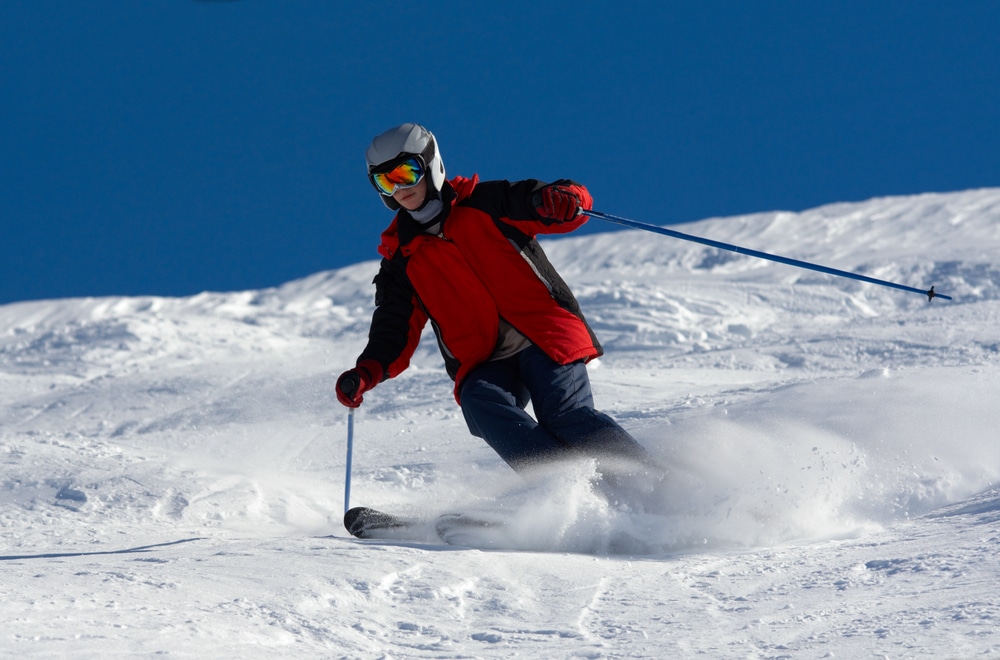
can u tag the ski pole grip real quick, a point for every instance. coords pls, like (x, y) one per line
(350, 383)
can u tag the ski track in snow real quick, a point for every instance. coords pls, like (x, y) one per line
(171, 470)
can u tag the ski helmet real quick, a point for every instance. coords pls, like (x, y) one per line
(406, 141)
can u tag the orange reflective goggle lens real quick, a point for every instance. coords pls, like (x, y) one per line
(405, 175)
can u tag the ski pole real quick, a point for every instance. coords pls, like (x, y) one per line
(349, 385)
(931, 294)
(350, 458)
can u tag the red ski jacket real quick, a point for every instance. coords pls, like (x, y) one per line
(483, 265)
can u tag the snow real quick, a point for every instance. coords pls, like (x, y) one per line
(173, 469)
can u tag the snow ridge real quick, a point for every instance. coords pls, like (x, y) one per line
(172, 468)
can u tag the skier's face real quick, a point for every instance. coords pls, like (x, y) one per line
(412, 198)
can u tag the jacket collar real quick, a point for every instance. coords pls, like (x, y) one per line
(404, 228)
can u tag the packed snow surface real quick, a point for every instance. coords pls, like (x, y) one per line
(172, 470)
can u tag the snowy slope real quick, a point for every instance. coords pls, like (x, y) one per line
(172, 470)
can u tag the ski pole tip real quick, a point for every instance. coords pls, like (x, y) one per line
(931, 295)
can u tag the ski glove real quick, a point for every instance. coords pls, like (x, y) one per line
(561, 202)
(353, 383)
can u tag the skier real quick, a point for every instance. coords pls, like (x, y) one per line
(462, 254)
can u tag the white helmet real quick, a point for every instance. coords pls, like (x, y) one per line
(406, 141)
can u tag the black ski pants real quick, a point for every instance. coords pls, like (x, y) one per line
(495, 394)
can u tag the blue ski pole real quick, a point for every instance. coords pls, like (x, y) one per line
(349, 385)
(931, 294)
(350, 458)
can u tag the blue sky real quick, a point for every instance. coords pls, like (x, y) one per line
(169, 147)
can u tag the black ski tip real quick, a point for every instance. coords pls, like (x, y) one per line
(355, 520)
(364, 522)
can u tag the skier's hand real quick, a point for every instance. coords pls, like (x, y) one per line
(561, 203)
(353, 383)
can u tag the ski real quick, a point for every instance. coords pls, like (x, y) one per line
(451, 528)
(366, 523)
(471, 531)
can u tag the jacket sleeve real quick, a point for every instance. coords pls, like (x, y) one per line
(397, 322)
(514, 203)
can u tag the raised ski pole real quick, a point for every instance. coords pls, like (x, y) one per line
(931, 294)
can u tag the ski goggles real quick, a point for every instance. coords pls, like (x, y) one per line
(405, 174)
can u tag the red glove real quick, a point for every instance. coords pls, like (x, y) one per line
(353, 383)
(562, 203)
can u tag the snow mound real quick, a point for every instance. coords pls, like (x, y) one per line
(173, 468)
